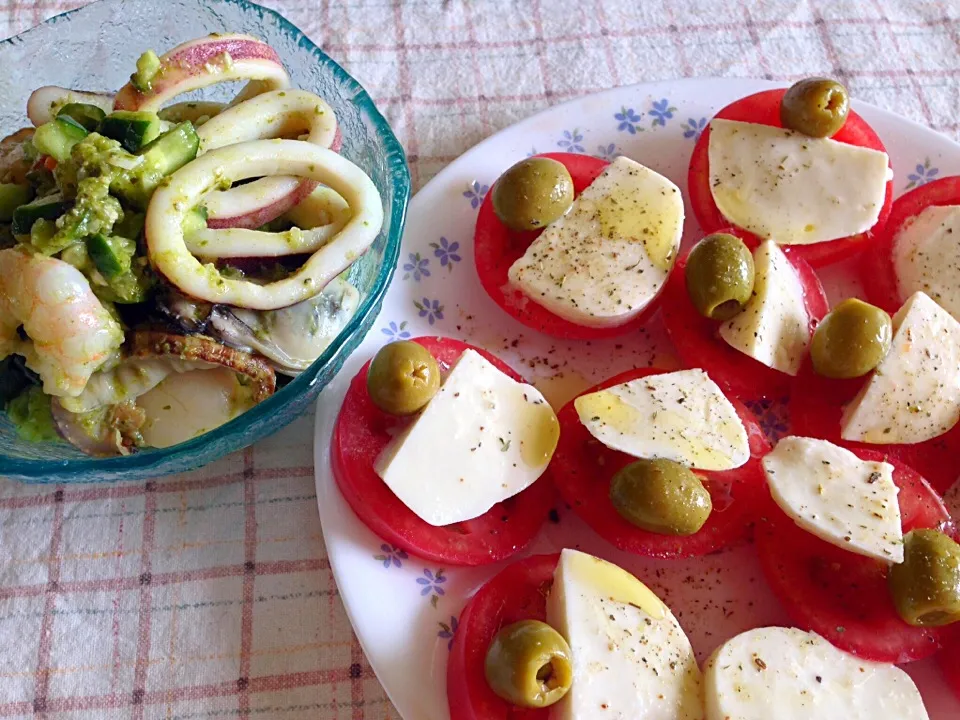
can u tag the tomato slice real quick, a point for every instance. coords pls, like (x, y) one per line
(698, 343)
(816, 406)
(764, 108)
(844, 596)
(949, 659)
(583, 467)
(496, 248)
(518, 592)
(877, 272)
(362, 432)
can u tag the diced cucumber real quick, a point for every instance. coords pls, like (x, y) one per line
(111, 255)
(13, 196)
(132, 129)
(131, 226)
(195, 220)
(57, 137)
(172, 150)
(89, 116)
(148, 65)
(43, 209)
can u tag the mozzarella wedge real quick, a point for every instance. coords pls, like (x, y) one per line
(777, 673)
(833, 494)
(926, 256)
(774, 327)
(681, 416)
(484, 437)
(631, 658)
(801, 190)
(603, 262)
(914, 394)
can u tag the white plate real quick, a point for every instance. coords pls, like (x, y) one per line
(404, 609)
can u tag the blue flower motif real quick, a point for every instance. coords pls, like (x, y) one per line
(629, 120)
(396, 332)
(391, 555)
(661, 112)
(475, 193)
(416, 267)
(693, 128)
(430, 584)
(447, 252)
(571, 141)
(923, 174)
(608, 152)
(448, 631)
(772, 416)
(432, 310)
(533, 151)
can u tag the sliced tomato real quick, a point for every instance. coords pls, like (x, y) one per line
(496, 248)
(362, 432)
(764, 108)
(816, 407)
(518, 592)
(583, 467)
(844, 596)
(698, 343)
(877, 271)
(949, 659)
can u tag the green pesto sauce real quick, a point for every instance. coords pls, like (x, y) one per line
(30, 414)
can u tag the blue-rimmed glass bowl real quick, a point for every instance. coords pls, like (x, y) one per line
(96, 47)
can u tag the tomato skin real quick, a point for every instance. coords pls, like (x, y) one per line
(949, 659)
(843, 596)
(764, 108)
(360, 434)
(698, 344)
(518, 592)
(496, 248)
(582, 469)
(876, 271)
(816, 407)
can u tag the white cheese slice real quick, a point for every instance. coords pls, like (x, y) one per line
(800, 190)
(833, 494)
(914, 394)
(773, 327)
(603, 262)
(484, 437)
(631, 658)
(681, 416)
(926, 256)
(788, 674)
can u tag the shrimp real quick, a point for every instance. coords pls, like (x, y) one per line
(69, 333)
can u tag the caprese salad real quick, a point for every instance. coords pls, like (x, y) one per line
(844, 510)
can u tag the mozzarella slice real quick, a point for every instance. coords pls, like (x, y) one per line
(483, 438)
(830, 492)
(603, 262)
(926, 256)
(788, 674)
(800, 190)
(681, 416)
(914, 394)
(773, 327)
(631, 658)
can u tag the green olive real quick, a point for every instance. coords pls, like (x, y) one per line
(533, 193)
(403, 378)
(926, 585)
(817, 107)
(661, 496)
(528, 664)
(720, 276)
(851, 340)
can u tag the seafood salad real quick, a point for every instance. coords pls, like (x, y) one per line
(165, 265)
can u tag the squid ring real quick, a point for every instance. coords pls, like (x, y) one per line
(185, 189)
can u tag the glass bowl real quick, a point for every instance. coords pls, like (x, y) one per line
(96, 47)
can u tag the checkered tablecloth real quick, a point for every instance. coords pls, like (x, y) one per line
(210, 594)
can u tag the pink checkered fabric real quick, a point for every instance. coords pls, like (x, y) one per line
(210, 594)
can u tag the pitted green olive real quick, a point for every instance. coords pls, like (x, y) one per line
(926, 585)
(851, 340)
(528, 664)
(720, 276)
(533, 193)
(817, 107)
(403, 378)
(661, 496)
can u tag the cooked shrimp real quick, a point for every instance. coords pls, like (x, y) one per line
(14, 164)
(69, 333)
